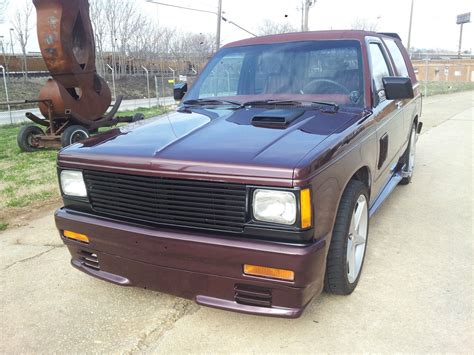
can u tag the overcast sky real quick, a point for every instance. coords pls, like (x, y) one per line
(434, 21)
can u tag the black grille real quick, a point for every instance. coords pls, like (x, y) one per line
(155, 200)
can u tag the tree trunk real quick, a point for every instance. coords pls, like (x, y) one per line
(25, 64)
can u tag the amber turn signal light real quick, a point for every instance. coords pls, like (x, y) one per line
(306, 209)
(76, 236)
(270, 272)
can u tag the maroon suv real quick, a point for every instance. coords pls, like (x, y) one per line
(255, 195)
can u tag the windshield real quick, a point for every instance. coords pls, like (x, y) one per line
(328, 71)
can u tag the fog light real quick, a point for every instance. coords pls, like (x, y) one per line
(270, 272)
(76, 236)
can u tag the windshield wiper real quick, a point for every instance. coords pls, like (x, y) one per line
(334, 107)
(216, 102)
(271, 102)
(210, 102)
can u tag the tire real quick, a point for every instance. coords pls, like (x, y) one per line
(341, 277)
(25, 138)
(138, 117)
(73, 134)
(408, 159)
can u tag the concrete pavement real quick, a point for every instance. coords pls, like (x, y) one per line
(19, 115)
(415, 294)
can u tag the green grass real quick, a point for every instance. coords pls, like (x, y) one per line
(3, 226)
(24, 177)
(27, 179)
(444, 87)
(147, 111)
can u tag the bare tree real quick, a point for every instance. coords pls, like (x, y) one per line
(97, 12)
(127, 39)
(363, 23)
(269, 27)
(130, 21)
(22, 29)
(115, 22)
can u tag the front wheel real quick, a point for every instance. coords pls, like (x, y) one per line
(349, 240)
(409, 158)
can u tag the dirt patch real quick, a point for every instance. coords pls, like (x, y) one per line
(21, 216)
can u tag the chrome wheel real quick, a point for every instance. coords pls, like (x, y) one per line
(357, 239)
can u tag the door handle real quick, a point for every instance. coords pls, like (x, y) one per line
(399, 104)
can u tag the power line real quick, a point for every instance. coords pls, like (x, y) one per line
(206, 11)
(236, 25)
(181, 7)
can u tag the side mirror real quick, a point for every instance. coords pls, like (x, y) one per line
(397, 88)
(180, 90)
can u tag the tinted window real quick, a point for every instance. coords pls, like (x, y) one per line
(379, 66)
(397, 56)
(306, 70)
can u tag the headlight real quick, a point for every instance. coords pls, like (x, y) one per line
(72, 183)
(274, 206)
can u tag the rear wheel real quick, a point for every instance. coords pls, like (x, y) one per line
(26, 138)
(349, 240)
(74, 134)
(409, 157)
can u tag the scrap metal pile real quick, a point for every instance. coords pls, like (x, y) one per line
(75, 99)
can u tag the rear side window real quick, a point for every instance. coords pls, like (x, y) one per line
(379, 67)
(397, 56)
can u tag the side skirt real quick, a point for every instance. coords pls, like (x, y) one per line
(387, 190)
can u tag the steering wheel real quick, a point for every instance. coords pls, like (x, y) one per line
(342, 88)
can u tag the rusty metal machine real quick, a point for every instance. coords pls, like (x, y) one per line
(75, 99)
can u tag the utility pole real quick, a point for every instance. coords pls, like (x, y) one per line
(302, 17)
(409, 27)
(307, 5)
(11, 41)
(219, 18)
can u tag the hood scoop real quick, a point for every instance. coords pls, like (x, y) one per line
(278, 118)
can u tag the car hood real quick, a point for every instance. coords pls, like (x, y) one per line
(205, 144)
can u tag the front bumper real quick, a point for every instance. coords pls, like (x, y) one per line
(205, 268)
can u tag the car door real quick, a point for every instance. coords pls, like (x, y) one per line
(387, 114)
(409, 105)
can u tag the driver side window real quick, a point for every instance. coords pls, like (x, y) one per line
(379, 70)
